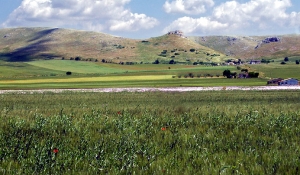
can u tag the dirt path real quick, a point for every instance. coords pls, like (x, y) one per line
(169, 89)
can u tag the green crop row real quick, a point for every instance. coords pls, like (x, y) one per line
(222, 132)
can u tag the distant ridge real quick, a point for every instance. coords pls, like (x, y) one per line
(253, 47)
(26, 44)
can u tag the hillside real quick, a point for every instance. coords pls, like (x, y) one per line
(26, 44)
(253, 47)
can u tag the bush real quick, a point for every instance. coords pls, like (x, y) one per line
(286, 59)
(77, 58)
(172, 62)
(191, 75)
(156, 62)
(283, 62)
(69, 73)
(244, 70)
(297, 61)
(227, 73)
(192, 50)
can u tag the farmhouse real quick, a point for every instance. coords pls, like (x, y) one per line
(288, 82)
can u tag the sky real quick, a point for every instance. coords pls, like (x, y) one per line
(141, 19)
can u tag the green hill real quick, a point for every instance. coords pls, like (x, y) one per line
(26, 44)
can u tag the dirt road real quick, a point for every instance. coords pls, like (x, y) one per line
(168, 89)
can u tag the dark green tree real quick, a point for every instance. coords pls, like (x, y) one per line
(227, 73)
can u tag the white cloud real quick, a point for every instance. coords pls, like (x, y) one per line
(187, 6)
(133, 23)
(87, 14)
(232, 17)
(191, 25)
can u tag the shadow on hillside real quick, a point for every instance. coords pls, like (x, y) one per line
(32, 50)
(42, 34)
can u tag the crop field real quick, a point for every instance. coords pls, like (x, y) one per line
(277, 70)
(213, 132)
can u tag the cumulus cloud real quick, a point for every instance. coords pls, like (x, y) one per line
(187, 6)
(87, 14)
(232, 16)
(199, 25)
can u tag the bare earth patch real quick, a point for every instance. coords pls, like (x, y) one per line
(168, 89)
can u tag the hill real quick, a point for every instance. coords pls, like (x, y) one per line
(27, 44)
(253, 47)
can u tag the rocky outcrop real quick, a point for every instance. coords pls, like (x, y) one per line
(271, 39)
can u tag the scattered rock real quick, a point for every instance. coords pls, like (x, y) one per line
(271, 39)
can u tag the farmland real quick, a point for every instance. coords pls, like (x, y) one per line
(85, 132)
(215, 132)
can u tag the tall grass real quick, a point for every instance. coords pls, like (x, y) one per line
(225, 132)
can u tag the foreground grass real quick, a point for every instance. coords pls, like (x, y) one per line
(225, 132)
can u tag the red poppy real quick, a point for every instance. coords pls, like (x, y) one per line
(163, 128)
(119, 113)
(55, 150)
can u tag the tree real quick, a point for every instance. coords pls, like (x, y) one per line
(172, 62)
(244, 70)
(227, 73)
(156, 62)
(286, 59)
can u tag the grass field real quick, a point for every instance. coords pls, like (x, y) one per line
(221, 132)
(43, 74)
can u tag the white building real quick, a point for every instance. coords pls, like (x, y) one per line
(289, 82)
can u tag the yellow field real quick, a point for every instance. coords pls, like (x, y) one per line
(88, 79)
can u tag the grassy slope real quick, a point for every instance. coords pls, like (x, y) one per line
(244, 46)
(26, 44)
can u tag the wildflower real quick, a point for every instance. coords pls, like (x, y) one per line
(119, 113)
(163, 128)
(55, 150)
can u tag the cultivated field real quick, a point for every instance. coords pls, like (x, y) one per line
(212, 132)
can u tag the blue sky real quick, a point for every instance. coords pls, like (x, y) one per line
(144, 19)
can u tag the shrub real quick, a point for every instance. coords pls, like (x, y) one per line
(286, 59)
(69, 73)
(297, 61)
(172, 62)
(156, 62)
(77, 58)
(191, 75)
(244, 70)
(192, 50)
(227, 73)
(283, 62)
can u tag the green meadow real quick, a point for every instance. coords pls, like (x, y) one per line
(43, 74)
(213, 132)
